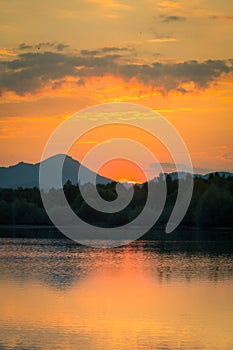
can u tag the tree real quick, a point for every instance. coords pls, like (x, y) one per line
(215, 208)
(4, 212)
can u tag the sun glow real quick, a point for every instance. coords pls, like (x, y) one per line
(123, 171)
(131, 182)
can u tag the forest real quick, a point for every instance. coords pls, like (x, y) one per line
(211, 204)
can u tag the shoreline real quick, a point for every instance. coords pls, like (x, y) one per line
(182, 233)
(154, 229)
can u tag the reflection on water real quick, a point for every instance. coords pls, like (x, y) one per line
(148, 295)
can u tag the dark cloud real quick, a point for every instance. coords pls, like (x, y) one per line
(168, 19)
(45, 44)
(58, 84)
(115, 49)
(89, 52)
(30, 72)
(61, 47)
(171, 76)
(56, 46)
(104, 50)
(182, 90)
(24, 46)
(156, 54)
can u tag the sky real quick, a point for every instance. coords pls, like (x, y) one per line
(175, 57)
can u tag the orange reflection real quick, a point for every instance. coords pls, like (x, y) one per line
(119, 305)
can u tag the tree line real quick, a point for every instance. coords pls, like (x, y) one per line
(211, 204)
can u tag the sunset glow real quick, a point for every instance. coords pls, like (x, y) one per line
(116, 174)
(126, 171)
(174, 62)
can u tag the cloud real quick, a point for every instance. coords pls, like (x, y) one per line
(227, 156)
(61, 47)
(169, 5)
(89, 52)
(24, 46)
(104, 50)
(40, 45)
(162, 40)
(172, 167)
(111, 4)
(171, 76)
(45, 44)
(5, 53)
(31, 71)
(169, 19)
(224, 18)
(182, 90)
(167, 167)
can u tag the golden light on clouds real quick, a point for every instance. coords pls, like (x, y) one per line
(169, 5)
(162, 40)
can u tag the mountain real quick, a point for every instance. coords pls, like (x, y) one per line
(26, 175)
(225, 174)
(182, 175)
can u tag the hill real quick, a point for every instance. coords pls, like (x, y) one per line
(26, 175)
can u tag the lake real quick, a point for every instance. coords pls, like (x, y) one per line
(56, 294)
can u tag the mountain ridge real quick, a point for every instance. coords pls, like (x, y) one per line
(26, 175)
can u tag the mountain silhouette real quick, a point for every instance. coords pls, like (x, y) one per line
(26, 175)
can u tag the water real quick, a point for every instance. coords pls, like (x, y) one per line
(148, 295)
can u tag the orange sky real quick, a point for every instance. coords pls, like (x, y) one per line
(174, 57)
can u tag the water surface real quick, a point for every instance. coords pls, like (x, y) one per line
(56, 294)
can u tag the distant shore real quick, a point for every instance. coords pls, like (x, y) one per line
(181, 233)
